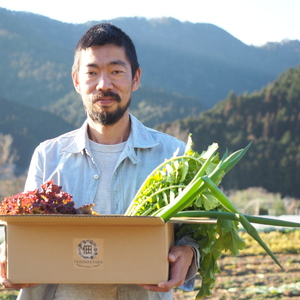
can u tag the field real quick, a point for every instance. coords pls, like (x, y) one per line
(254, 277)
(252, 274)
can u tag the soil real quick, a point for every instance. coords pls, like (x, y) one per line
(254, 277)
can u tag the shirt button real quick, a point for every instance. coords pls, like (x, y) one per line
(96, 176)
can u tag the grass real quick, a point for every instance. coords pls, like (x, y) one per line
(8, 295)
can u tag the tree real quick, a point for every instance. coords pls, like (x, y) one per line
(8, 156)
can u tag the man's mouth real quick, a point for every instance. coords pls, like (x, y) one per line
(104, 101)
(106, 98)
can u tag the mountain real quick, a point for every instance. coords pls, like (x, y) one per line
(195, 60)
(270, 120)
(204, 60)
(187, 69)
(28, 127)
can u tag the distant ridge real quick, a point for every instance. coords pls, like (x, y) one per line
(199, 60)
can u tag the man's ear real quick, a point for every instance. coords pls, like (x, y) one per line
(136, 79)
(76, 82)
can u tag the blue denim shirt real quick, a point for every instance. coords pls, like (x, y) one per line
(68, 161)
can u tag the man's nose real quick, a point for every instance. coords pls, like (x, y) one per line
(104, 82)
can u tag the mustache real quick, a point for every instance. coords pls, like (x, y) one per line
(106, 94)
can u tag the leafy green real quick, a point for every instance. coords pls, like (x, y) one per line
(171, 179)
(229, 239)
(188, 185)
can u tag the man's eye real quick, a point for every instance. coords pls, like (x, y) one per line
(118, 72)
(91, 73)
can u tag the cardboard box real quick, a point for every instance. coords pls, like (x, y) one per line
(87, 249)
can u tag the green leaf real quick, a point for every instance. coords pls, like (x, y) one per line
(229, 239)
(184, 170)
(207, 201)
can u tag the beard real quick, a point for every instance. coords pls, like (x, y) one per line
(107, 118)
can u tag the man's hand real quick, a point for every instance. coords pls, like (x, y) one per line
(3, 280)
(180, 258)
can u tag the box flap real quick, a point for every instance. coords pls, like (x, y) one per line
(81, 219)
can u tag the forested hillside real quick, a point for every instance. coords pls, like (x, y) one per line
(28, 127)
(270, 119)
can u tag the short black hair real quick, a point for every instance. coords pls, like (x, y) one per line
(102, 34)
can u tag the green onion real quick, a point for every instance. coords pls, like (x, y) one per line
(197, 185)
(232, 216)
(240, 217)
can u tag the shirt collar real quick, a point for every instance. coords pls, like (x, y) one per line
(139, 137)
(80, 140)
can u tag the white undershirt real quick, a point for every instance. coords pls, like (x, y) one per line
(105, 157)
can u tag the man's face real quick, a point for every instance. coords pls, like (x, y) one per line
(104, 81)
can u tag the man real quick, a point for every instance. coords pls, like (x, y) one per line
(107, 159)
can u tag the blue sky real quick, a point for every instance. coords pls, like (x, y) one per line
(254, 22)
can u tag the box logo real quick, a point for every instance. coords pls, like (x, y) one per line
(88, 253)
(87, 249)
